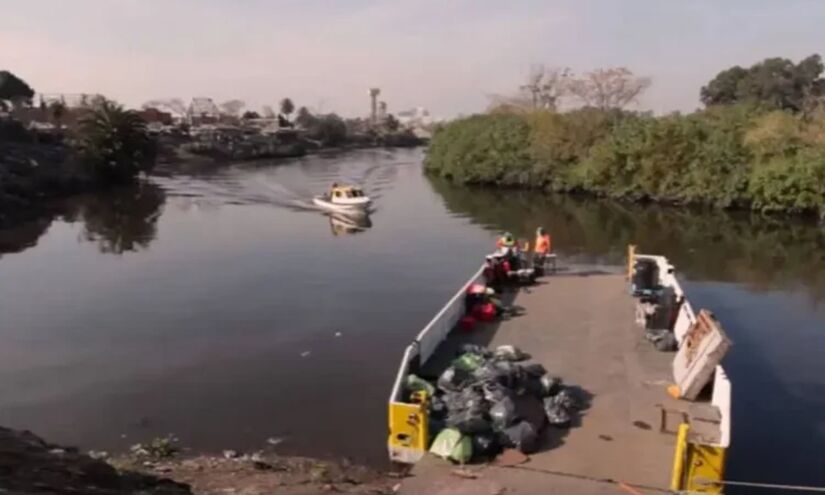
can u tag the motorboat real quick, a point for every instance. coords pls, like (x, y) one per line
(343, 199)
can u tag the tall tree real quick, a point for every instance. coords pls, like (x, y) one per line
(287, 107)
(546, 86)
(14, 90)
(543, 90)
(774, 82)
(616, 87)
(58, 111)
(392, 123)
(305, 118)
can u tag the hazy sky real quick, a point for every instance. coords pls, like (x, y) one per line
(442, 54)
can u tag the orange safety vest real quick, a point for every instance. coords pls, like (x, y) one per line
(543, 244)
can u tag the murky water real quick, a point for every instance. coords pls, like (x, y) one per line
(223, 308)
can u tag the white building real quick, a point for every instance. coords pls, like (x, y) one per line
(415, 117)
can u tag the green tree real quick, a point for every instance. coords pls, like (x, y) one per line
(287, 107)
(330, 129)
(58, 111)
(776, 83)
(14, 90)
(305, 118)
(392, 123)
(114, 143)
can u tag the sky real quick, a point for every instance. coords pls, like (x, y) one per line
(445, 55)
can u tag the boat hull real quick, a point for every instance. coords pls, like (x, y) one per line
(353, 208)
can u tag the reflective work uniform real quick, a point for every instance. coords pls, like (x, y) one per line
(543, 244)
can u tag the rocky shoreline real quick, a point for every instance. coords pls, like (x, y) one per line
(29, 465)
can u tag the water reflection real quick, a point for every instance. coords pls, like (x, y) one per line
(118, 221)
(758, 251)
(340, 224)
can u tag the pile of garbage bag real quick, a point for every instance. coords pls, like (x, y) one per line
(487, 400)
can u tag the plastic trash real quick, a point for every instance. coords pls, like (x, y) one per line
(557, 415)
(451, 444)
(511, 375)
(567, 399)
(417, 384)
(468, 362)
(452, 380)
(535, 369)
(503, 413)
(485, 445)
(493, 391)
(468, 421)
(522, 436)
(437, 407)
(475, 349)
(550, 385)
(510, 353)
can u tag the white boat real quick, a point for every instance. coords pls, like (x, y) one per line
(345, 199)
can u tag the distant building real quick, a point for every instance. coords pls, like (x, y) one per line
(155, 116)
(415, 117)
(203, 111)
(71, 100)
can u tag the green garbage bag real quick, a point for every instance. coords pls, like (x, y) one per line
(451, 444)
(468, 362)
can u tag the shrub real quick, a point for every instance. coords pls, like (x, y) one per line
(114, 143)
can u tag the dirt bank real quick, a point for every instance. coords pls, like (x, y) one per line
(31, 466)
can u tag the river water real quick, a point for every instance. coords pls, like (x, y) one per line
(219, 306)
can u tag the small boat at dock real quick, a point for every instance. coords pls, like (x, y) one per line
(344, 199)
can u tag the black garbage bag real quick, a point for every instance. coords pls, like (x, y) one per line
(530, 408)
(532, 386)
(469, 421)
(494, 391)
(453, 380)
(474, 349)
(485, 445)
(550, 385)
(535, 369)
(487, 372)
(511, 375)
(437, 407)
(471, 397)
(522, 436)
(503, 413)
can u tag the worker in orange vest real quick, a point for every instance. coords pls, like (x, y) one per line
(541, 250)
(542, 242)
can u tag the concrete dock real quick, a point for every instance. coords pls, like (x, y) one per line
(580, 326)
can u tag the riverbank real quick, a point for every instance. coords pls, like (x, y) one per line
(31, 465)
(32, 175)
(738, 156)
